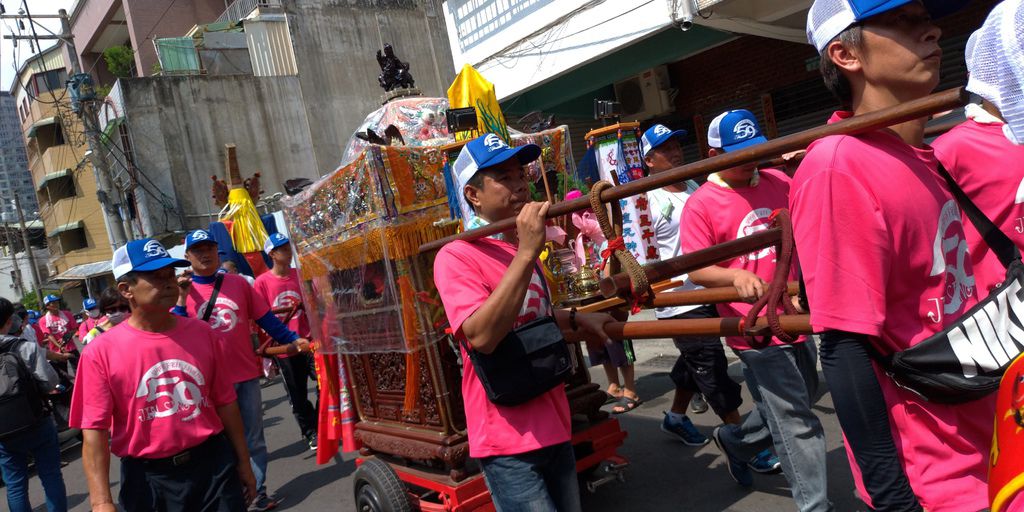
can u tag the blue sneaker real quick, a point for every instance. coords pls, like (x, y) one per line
(765, 462)
(737, 468)
(684, 431)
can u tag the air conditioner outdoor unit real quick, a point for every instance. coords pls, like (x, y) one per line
(645, 95)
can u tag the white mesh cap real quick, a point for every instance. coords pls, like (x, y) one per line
(827, 19)
(995, 63)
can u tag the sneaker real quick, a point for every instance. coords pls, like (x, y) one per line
(684, 431)
(737, 468)
(311, 441)
(263, 503)
(698, 405)
(765, 462)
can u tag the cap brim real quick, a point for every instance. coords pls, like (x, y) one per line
(745, 144)
(525, 154)
(200, 242)
(677, 134)
(160, 263)
(936, 8)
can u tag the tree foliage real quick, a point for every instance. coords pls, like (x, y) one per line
(120, 60)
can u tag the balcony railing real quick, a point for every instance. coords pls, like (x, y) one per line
(241, 8)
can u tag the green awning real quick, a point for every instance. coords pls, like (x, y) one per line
(52, 176)
(41, 123)
(66, 227)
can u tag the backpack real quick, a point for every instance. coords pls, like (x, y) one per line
(21, 400)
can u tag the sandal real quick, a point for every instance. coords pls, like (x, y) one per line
(610, 398)
(626, 404)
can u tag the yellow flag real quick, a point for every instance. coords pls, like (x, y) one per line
(471, 89)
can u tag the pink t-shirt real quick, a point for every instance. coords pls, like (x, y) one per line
(58, 326)
(715, 214)
(156, 393)
(465, 274)
(990, 170)
(87, 325)
(238, 306)
(884, 254)
(281, 292)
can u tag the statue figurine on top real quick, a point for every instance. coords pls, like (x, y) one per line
(394, 73)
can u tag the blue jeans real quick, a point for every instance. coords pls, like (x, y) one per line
(250, 404)
(783, 381)
(42, 444)
(539, 481)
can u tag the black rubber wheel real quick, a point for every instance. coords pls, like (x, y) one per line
(378, 489)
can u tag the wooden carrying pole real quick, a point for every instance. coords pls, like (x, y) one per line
(911, 110)
(618, 285)
(685, 298)
(721, 295)
(732, 326)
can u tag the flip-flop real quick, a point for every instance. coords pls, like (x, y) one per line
(610, 398)
(627, 404)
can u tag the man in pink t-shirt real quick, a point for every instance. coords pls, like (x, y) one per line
(782, 378)
(234, 309)
(886, 265)
(91, 317)
(154, 389)
(489, 287)
(990, 170)
(57, 325)
(281, 289)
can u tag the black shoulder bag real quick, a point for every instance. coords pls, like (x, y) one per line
(966, 361)
(218, 281)
(530, 361)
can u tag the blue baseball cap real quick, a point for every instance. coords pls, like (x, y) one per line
(88, 304)
(483, 152)
(274, 241)
(50, 298)
(144, 255)
(656, 136)
(733, 130)
(33, 316)
(826, 19)
(199, 236)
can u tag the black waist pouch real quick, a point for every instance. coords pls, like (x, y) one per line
(966, 361)
(529, 361)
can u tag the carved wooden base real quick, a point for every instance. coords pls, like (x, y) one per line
(398, 441)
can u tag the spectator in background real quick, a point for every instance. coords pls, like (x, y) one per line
(39, 442)
(115, 309)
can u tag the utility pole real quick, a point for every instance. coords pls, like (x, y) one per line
(91, 124)
(88, 112)
(14, 258)
(36, 278)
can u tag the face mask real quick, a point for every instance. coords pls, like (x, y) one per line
(93, 313)
(116, 318)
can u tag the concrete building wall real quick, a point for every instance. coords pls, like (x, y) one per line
(178, 127)
(14, 175)
(335, 46)
(8, 281)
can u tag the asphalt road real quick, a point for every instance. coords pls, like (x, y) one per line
(664, 474)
